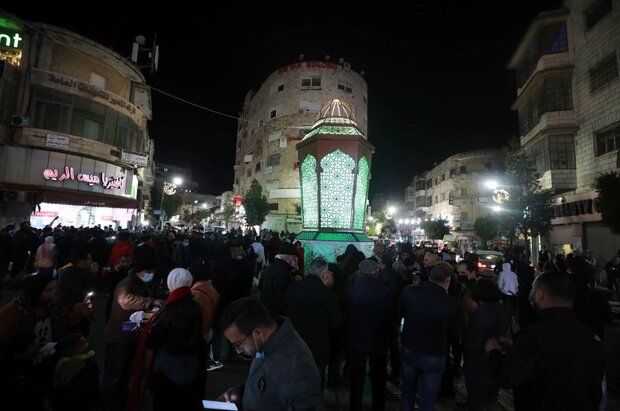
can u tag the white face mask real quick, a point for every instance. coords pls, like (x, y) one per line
(148, 277)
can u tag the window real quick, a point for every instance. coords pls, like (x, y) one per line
(248, 172)
(307, 107)
(420, 201)
(604, 72)
(462, 169)
(562, 152)
(553, 38)
(311, 83)
(555, 94)
(452, 172)
(553, 153)
(429, 201)
(463, 192)
(608, 140)
(273, 160)
(257, 169)
(596, 13)
(436, 199)
(277, 88)
(550, 39)
(420, 185)
(464, 215)
(273, 113)
(443, 177)
(344, 86)
(429, 183)
(272, 207)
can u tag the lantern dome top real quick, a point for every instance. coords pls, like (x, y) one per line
(336, 108)
(336, 117)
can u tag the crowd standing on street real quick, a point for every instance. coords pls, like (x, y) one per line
(182, 302)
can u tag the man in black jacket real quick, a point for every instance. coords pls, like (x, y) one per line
(276, 279)
(556, 364)
(313, 309)
(430, 314)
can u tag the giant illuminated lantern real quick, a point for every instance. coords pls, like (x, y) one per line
(334, 169)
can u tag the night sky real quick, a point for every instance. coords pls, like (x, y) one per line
(436, 72)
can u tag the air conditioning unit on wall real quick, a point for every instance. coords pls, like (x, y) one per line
(20, 120)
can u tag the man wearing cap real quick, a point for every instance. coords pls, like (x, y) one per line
(276, 279)
(368, 304)
(430, 314)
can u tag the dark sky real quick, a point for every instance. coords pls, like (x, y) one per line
(436, 72)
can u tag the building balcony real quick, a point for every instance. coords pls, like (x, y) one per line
(559, 180)
(563, 121)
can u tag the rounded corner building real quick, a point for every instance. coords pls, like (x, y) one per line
(278, 116)
(74, 142)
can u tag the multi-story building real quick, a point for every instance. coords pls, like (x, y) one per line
(276, 117)
(568, 99)
(456, 190)
(73, 128)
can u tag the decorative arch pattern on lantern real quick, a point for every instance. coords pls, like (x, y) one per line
(336, 190)
(309, 193)
(361, 189)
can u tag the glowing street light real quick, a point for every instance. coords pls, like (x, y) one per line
(490, 184)
(496, 208)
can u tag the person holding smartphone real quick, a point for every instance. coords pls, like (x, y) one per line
(74, 284)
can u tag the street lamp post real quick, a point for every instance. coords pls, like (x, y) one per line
(169, 189)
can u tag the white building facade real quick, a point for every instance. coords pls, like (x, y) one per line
(276, 117)
(568, 99)
(456, 190)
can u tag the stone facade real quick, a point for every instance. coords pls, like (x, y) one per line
(580, 43)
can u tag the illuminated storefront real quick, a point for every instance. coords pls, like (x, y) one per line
(79, 190)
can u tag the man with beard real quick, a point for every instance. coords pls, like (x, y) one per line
(283, 375)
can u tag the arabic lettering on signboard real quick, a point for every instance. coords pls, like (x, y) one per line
(68, 173)
(57, 141)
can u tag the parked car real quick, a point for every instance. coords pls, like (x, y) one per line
(488, 259)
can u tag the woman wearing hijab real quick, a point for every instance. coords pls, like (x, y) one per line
(178, 379)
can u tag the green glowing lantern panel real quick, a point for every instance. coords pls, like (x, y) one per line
(309, 193)
(360, 194)
(336, 190)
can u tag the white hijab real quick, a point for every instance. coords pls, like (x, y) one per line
(179, 277)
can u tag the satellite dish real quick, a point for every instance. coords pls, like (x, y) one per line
(301, 57)
(327, 57)
(141, 40)
(341, 60)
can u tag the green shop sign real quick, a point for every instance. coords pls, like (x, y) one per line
(10, 34)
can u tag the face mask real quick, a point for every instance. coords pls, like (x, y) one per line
(532, 297)
(260, 355)
(148, 277)
(238, 257)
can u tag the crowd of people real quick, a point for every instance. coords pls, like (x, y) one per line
(181, 303)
